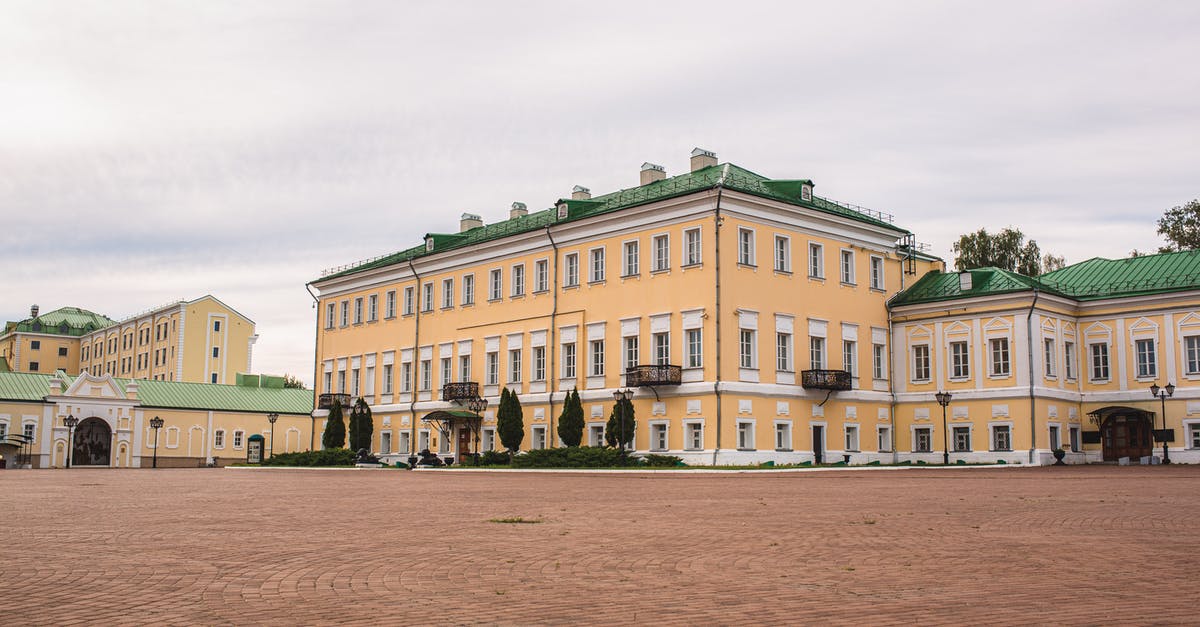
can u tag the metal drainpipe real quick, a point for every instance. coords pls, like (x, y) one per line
(1032, 399)
(717, 289)
(412, 405)
(552, 346)
(891, 361)
(312, 429)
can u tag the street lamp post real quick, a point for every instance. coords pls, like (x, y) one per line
(156, 423)
(1163, 394)
(618, 396)
(70, 421)
(477, 406)
(271, 418)
(943, 399)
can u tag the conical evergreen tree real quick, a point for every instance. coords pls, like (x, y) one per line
(362, 428)
(570, 422)
(509, 422)
(614, 431)
(335, 429)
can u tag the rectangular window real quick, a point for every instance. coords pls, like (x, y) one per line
(816, 261)
(877, 273)
(539, 363)
(1001, 438)
(1193, 436)
(568, 361)
(596, 267)
(518, 280)
(216, 351)
(219, 438)
(408, 300)
(1000, 361)
(960, 360)
(658, 437)
(1099, 362)
(354, 383)
(1147, 364)
(1191, 354)
(214, 377)
(62, 351)
(662, 252)
(426, 375)
(447, 370)
(783, 352)
(1073, 433)
(539, 438)
(385, 442)
(851, 437)
(1069, 359)
(237, 439)
(389, 307)
(885, 439)
(746, 348)
(464, 368)
(632, 351)
(494, 282)
(1055, 438)
(693, 436)
(541, 276)
(920, 355)
(34, 366)
(406, 377)
(878, 358)
(783, 436)
(746, 247)
(447, 293)
(571, 270)
(423, 440)
(962, 439)
(848, 267)
(358, 310)
(387, 378)
(745, 435)
(691, 247)
(468, 289)
(816, 353)
(329, 317)
(597, 358)
(489, 440)
(662, 348)
(493, 368)
(35, 345)
(427, 297)
(850, 357)
(514, 365)
(783, 253)
(345, 313)
(695, 348)
(630, 259)
(372, 307)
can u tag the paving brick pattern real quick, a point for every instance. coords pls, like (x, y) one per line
(1076, 545)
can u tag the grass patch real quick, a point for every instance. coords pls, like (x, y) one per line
(515, 520)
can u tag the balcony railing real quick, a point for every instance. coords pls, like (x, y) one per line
(658, 374)
(325, 401)
(825, 379)
(461, 391)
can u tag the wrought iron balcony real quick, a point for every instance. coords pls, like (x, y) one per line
(825, 379)
(657, 374)
(325, 401)
(460, 391)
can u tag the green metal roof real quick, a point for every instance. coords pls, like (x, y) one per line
(71, 321)
(1093, 279)
(15, 386)
(736, 178)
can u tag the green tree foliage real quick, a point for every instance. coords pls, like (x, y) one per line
(1050, 263)
(615, 431)
(335, 428)
(510, 423)
(290, 381)
(570, 423)
(1181, 226)
(361, 426)
(1006, 249)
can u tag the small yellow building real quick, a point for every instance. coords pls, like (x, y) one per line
(89, 420)
(202, 340)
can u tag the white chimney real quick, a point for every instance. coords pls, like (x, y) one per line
(702, 158)
(33, 311)
(469, 221)
(580, 192)
(518, 210)
(652, 172)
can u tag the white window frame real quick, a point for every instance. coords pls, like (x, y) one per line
(816, 260)
(571, 270)
(955, 430)
(846, 267)
(218, 438)
(744, 434)
(389, 308)
(878, 280)
(448, 293)
(410, 300)
(630, 258)
(746, 253)
(784, 352)
(1191, 354)
(661, 345)
(694, 345)
(541, 276)
(1049, 358)
(1145, 362)
(597, 264)
(782, 253)
(517, 280)
(1099, 362)
(468, 289)
(783, 435)
(692, 428)
(852, 441)
(632, 351)
(999, 347)
(1069, 359)
(818, 353)
(850, 357)
(539, 364)
(491, 362)
(693, 249)
(747, 345)
(883, 438)
(994, 432)
(495, 284)
(514, 365)
(927, 432)
(919, 364)
(596, 357)
(660, 435)
(960, 360)
(660, 251)
(569, 354)
(427, 297)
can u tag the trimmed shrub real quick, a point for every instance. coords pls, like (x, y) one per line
(494, 458)
(335, 430)
(571, 457)
(323, 457)
(662, 461)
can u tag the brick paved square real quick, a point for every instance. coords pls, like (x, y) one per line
(1076, 545)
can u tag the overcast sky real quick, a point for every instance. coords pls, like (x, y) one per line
(156, 151)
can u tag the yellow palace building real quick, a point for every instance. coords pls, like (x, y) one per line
(201, 340)
(747, 315)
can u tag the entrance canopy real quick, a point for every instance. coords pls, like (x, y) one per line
(445, 420)
(1100, 416)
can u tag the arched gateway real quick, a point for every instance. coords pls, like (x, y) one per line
(92, 445)
(1125, 432)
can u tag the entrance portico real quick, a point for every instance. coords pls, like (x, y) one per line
(1125, 432)
(460, 427)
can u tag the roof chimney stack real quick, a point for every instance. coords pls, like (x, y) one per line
(33, 310)
(519, 210)
(652, 172)
(702, 158)
(469, 221)
(580, 192)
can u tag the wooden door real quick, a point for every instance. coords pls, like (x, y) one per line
(1126, 436)
(464, 445)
